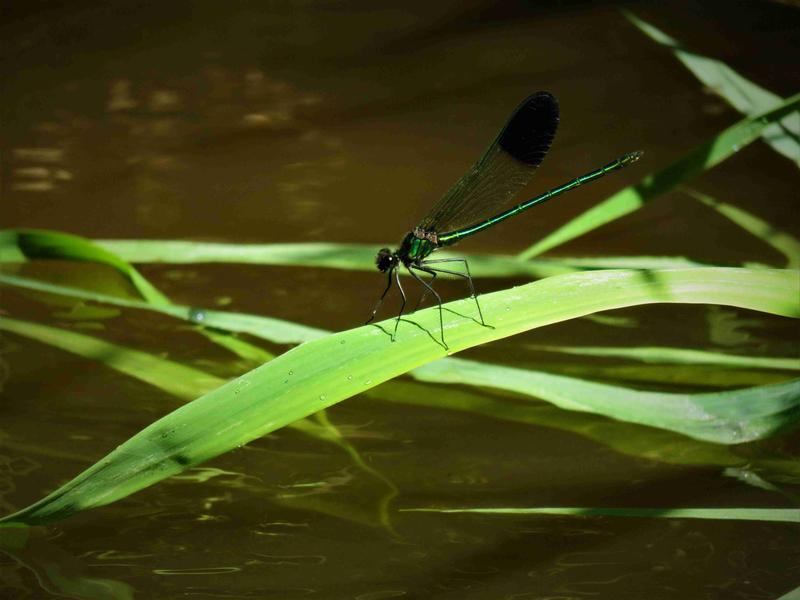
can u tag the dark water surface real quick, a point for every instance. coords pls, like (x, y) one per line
(343, 121)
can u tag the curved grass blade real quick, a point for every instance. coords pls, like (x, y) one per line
(361, 257)
(186, 383)
(174, 378)
(354, 257)
(667, 411)
(749, 477)
(741, 93)
(324, 371)
(729, 417)
(695, 377)
(791, 595)
(780, 515)
(19, 245)
(274, 330)
(783, 242)
(681, 356)
(702, 158)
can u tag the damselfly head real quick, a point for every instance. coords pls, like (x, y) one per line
(385, 260)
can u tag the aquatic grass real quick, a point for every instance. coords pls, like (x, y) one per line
(672, 376)
(361, 257)
(791, 595)
(274, 330)
(695, 377)
(649, 443)
(728, 417)
(654, 444)
(703, 157)
(21, 245)
(682, 356)
(783, 242)
(324, 371)
(780, 515)
(744, 95)
(176, 379)
(286, 332)
(186, 383)
(352, 257)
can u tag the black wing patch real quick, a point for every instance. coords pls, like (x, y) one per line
(506, 167)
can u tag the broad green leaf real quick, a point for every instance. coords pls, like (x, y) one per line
(702, 158)
(649, 408)
(741, 93)
(682, 356)
(659, 410)
(783, 515)
(729, 417)
(783, 242)
(324, 371)
(186, 383)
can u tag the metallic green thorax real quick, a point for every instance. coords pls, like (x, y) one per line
(416, 246)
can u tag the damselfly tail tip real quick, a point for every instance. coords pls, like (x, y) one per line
(632, 157)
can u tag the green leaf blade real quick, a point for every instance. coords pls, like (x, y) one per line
(325, 371)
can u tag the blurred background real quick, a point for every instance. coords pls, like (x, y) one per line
(344, 121)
